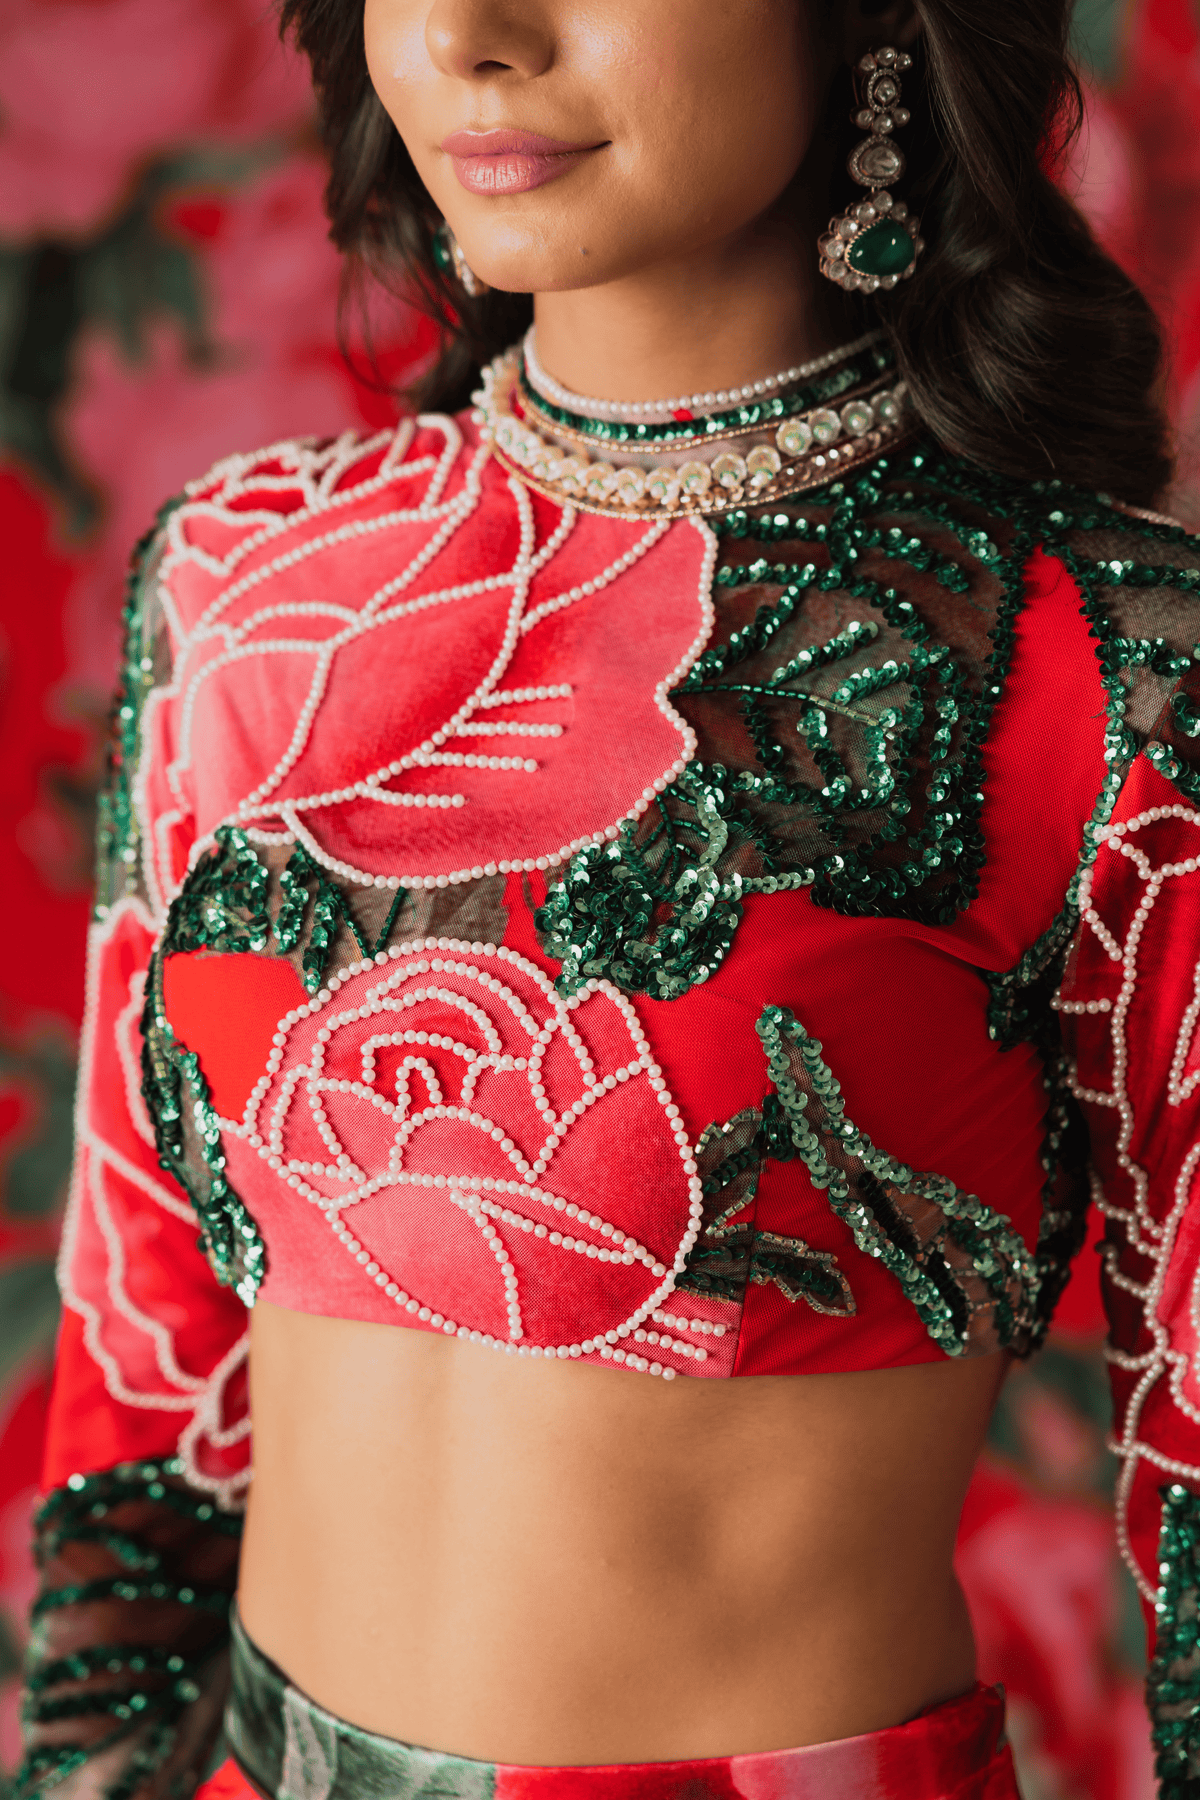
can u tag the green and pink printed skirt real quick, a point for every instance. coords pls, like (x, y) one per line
(288, 1748)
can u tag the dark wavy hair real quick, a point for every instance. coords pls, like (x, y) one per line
(1025, 348)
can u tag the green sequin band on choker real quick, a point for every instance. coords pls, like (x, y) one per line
(750, 416)
(751, 464)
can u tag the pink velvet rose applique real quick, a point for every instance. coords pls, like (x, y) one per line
(417, 671)
(439, 1139)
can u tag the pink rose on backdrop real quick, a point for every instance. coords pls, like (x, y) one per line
(91, 89)
(1040, 1577)
(141, 430)
(1097, 175)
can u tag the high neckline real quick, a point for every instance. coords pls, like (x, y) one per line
(754, 452)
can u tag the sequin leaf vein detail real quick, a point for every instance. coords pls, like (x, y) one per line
(961, 1265)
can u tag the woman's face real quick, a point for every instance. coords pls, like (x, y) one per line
(570, 143)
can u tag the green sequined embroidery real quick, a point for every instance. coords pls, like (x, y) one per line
(304, 881)
(222, 906)
(149, 1686)
(175, 1091)
(961, 1265)
(117, 836)
(1173, 1684)
(730, 1252)
(883, 817)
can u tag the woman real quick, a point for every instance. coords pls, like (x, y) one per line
(603, 887)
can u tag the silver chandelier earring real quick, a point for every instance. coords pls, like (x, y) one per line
(447, 254)
(876, 243)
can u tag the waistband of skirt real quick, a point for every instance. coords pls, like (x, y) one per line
(289, 1748)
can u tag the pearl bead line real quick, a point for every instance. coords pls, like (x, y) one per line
(131, 1074)
(583, 590)
(1149, 1237)
(558, 395)
(507, 728)
(472, 1193)
(516, 696)
(705, 1327)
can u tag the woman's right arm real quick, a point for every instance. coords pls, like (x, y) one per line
(147, 1445)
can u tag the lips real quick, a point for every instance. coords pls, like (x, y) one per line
(511, 162)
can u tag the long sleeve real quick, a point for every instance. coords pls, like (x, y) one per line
(1129, 1004)
(148, 1438)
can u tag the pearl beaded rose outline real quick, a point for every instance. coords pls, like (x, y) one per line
(442, 957)
(1151, 1238)
(432, 752)
(238, 477)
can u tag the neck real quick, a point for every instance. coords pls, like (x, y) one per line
(729, 314)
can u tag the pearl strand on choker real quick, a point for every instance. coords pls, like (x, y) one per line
(686, 404)
(807, 449)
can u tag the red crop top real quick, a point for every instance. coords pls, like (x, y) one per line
(636, 944)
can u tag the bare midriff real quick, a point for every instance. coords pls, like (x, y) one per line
(531, 1562)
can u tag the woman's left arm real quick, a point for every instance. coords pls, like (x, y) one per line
(1130, 1011)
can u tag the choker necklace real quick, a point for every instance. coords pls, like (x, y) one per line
(686, 406)
(764, 450)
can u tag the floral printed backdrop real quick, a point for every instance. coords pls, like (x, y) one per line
(167, 294)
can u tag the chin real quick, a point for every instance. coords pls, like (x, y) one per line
(535, 271)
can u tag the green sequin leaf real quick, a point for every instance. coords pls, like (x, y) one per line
(957, 1260)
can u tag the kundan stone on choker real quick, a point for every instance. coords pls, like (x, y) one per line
(755, 451)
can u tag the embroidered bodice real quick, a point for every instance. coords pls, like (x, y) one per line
(463, 956)
(710, 946)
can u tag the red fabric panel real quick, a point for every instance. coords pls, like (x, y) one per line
(1043, 769)
(227, 1784)
(86, 1429)
(226, 1009)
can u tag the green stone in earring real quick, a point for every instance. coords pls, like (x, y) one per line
(883, 249)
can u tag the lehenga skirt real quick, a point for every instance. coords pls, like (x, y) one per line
(286, 1747)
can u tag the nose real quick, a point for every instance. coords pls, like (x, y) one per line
(482, 39)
